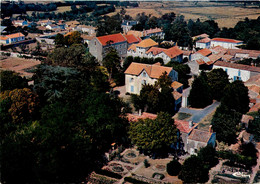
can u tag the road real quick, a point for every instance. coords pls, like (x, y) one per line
(199, 114)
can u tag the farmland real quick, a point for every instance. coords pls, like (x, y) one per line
(225, 14)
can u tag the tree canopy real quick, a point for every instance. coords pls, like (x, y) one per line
(154, 136)
(11, 80)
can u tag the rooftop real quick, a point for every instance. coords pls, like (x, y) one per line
(204, 40)
(176, 95)
(204, 35)
(255, 108)
(154, 71)
(238, 66)
(204, 52)
(246, 118)
(176, 85)
(114, 38)
(144, 115)
(226, 40)
(150, 31)
(200, 135)
(147, 43)
(132, 38)
(184, 126)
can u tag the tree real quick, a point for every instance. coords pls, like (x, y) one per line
(127, 62)
(112, 62)
(193, 171)
(73, 38)
(183, 72)
(11, 80)
(236, 97)
(217, 80)
(24, 104)
(59, 39)
(154, 136)
(208, 156)
(200, 94)
(173, 167)
(224, 123)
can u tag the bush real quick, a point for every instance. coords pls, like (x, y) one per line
(108, 173)
(146, 163)
(173, 168)
(161, 176)
(134, 181)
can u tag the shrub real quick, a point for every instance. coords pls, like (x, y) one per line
(146, 163)
(173, 168)
(134, 181)
(108, 173)
(161, 176)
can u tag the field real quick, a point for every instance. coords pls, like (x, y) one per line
(225, 14)
(18, 65)
(60, 9)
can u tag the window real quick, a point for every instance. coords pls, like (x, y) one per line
(132, 88)
(131, 79)
(239, 72)
(144, 74)
(144, 82)
(226, 70)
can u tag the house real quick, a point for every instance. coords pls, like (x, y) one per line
(87, 38)
(245, 120)
(201, 36)
(168, 55)
(237, 71)
(45, 22)
(157, 32)
(99, 45)
(200, 138)
(187, 54)
(138, 74)
(86, 29)
(132, 39)
(226, 43)
(52, 26)
(177, 94)
(20, 23)
(12, 38)
(203, 43)
(127, 25)
(71, 24)
(141, 48)
(201, 54)
(243, 53)
(136, 33)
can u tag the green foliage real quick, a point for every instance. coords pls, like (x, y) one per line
(225, 130)
(128, 60)
(108, 173)
(110, 25)
(173, 167)
(193, 171)
(146, 163)
(134, 181)
(236, 97)
(254, 127)
(11, 80)
(183, 72)
(200, 93)
(208, 156)
(217, 80)
(154, 136)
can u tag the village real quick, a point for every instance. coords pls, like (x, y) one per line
(128, 100)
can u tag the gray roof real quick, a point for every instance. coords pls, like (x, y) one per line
(2, 28)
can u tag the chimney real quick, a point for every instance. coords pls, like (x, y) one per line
(210, 129)
(140, 112)
(190, 124)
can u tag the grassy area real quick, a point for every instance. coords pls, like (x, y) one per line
(225, 13)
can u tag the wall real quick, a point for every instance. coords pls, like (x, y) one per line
(224, 44)
(233, 72)
(96, 49)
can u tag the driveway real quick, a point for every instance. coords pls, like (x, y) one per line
(199, 114)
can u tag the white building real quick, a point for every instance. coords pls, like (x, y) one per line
(203, 43)
(12, 38)
(237, 71)
(138, 74)
(147, 48)
(226, 43)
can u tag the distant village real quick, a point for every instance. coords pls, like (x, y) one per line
(193, 106)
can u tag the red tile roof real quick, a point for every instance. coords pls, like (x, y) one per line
(200, 135)
(150, 31)
(144, 115)
(154, 71)
(115, 38)
(147, 43)
(183, 126)
(251, 53)
(173, 52)
(132, 39)
(254, 88)
(132, 47)
(204, 35)
(238, 66)
(255, 108)
(155, 50)
(204, 52)
(204, 40)
(176, 95)
(226, 40)
(176, 85)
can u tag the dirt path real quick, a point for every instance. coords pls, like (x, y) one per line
(256, 168)
(214, 170)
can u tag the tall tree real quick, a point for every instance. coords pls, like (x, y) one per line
(154, 136)
(200, 94)
(217, 80)
(11, 80)
(236, 97)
